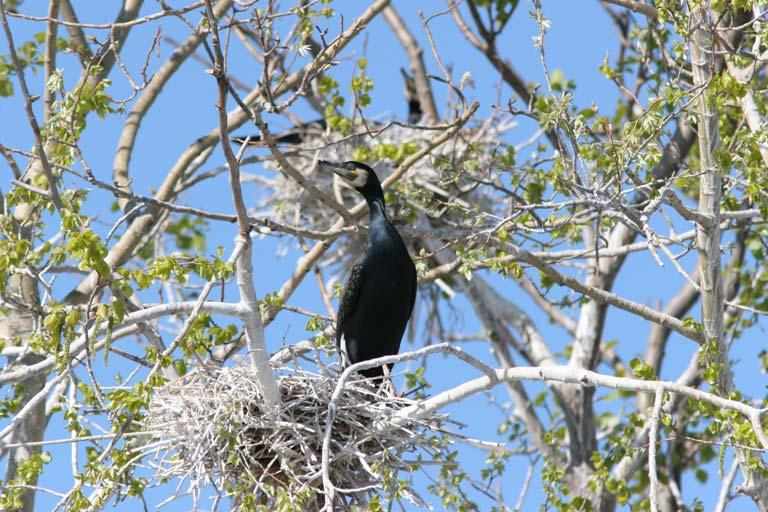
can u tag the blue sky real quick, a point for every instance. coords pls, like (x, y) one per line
(580, 37)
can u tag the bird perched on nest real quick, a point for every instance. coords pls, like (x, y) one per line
(380, 291)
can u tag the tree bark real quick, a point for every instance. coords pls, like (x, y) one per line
(708, 233)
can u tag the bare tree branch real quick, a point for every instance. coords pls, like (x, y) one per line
(709, 236)
(653, 434)
(575, 376)
(248, 301)
(50, 56)
(416, 60)
(636, 6)
(147, 99)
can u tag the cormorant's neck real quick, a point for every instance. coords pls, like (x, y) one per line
(414, 111)
(376, 207)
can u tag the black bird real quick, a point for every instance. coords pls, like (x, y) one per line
(414, 105)
(296, 135)
(314, 129)
(380, 291)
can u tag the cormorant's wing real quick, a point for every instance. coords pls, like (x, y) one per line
(349, 299)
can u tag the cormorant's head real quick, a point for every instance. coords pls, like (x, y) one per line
(357, 175)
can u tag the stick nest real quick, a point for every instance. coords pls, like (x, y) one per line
(213, 428)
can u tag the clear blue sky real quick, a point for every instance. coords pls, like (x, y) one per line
(579, 39)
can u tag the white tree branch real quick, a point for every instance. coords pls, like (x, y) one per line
(653, 437)
(604, 296)
(249, 303)
(144, 315)
(578, 376)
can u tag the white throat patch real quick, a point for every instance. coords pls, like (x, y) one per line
(362, 177)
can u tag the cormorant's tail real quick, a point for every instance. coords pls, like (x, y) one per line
(376, 373)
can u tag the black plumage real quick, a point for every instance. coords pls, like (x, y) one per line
(303, 132)
(380, 291)
(296, 135)
(411, 94)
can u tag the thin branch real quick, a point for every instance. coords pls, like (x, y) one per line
(41, 155)
(116, 24)
(78, 42)
(555, 313)
(526, 484)
(286, 167)
(488, 47)
(143, 315)
(604, 296)
(637, 6)
(680, 304)
(416, 61)
(725, 489)
(148, 96)
(687, 213)
(49, 62)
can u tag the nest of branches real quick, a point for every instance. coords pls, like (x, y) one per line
(442, 178)
(212, 429)
(434, 174)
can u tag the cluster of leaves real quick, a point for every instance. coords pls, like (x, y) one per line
(385, 152)
(329, 88)
(205, 334)
(30, 57)
(362, 84)
(179, 267)
(70, 112)
(307, 16)
(451, 482)
(555, 490)
(11, 492)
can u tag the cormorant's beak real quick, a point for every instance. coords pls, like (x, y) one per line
(349, 173)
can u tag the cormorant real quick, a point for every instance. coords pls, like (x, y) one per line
(296, 135)
(380, 291)
(414, 105)
(313, 129)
